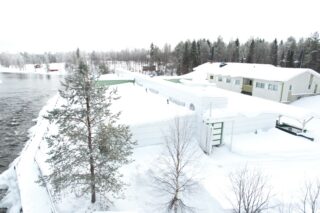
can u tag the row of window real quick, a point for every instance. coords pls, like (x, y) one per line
(261, 85)
(228, 80)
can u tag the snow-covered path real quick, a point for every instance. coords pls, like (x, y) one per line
(28, 171)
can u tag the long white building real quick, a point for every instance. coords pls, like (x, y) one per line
(261, 80)
(217, 114)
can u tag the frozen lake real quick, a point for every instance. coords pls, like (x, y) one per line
(21, 98)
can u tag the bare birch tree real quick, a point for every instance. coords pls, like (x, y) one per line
(251, 191)
(311, 199)
(173, 181)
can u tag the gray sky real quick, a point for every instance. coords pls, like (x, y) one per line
(63, 25)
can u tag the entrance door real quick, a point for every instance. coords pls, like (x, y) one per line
(315, 88)
(247, 86)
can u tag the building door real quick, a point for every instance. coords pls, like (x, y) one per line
(315, 88)
(247, 86)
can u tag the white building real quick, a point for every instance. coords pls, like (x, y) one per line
(217, 114)
(262, 80)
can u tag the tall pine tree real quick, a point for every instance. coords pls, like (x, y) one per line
(312, 59)
(251, 52)
(194, 55)
(283, 62)
(236, 52)
(211, 58)
(186, 59)
(274, 53)
(90, 145)
(290, 59)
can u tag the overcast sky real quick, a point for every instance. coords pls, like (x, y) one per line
(63, 25)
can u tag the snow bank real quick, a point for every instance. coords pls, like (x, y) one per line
(8, 180)
(113, 77)
(28, 171)
(21, 177)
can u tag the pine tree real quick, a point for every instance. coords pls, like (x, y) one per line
(290, 59)
(251, 52)
(211, 54)
(312, 59)
(283, 62)
(152, 54)
(78, 53)
(186, 59)
(300, 60)
(90, 145)
(220, 49)
(236, 53)
(203, 50)
(274, 53)
(194, 55)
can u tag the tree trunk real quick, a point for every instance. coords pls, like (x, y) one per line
(91, 160)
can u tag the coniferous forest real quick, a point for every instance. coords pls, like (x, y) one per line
(180, 59)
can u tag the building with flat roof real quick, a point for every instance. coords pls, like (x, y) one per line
(217, 114)
(261, 80)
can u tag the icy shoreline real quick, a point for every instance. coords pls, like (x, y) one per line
(22, 173)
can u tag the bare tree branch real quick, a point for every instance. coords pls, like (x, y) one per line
(251, 191)
(173, 181)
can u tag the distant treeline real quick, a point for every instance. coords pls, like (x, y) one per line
(304, 53)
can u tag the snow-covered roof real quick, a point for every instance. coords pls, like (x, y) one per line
(253, 71)
(143, 107)
(235, 104)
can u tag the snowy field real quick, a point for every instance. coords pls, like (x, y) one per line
(286, 160)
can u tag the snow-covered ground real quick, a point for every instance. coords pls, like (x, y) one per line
(30, 68)
(288, 161)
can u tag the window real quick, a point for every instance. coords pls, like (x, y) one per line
(237, 82)
(219, 78)
(290, 87)
(259, 85)
(273, 87)
(228, 80)
(211, 77)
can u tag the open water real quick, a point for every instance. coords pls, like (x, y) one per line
(21, 98)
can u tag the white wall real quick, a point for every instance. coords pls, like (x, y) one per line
(238, 125)
(241, 125)
(265, 92)
(154, 133)
(258, 92)
(224, 85)
(147, 133)
(180, 94)
(300, 86)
